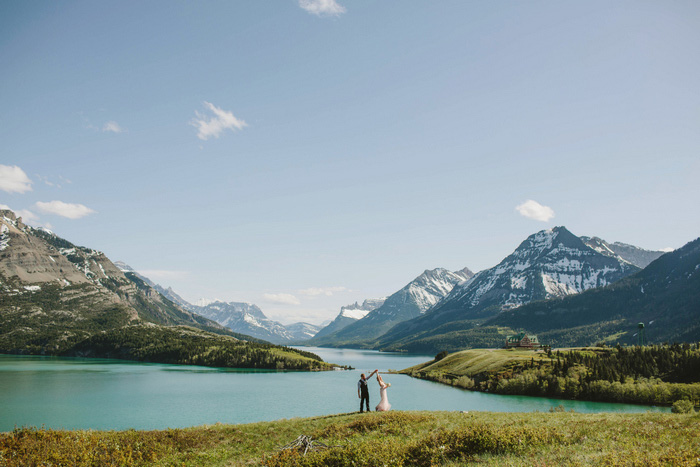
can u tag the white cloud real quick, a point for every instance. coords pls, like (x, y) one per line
(327, 291)
(534, 210)
(69, 210)
(322, 7)
(14, 180)
(667, 249)
(113, 127)
(208, 125)
(281, 298)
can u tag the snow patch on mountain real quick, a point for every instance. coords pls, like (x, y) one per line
(4, 236)
(353, 313)
(550, 263)
(350, 314)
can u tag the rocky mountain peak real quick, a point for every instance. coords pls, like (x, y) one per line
(549, 263)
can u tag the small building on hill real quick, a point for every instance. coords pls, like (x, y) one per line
(523, 341)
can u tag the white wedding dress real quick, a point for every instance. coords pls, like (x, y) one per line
(384, 404)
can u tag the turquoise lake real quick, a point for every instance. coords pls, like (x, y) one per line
(103, 394)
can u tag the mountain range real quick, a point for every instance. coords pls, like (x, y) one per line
(62, 299)
(57, 298)
(593, 304)
(548, 265)
(246, 318)
(411, 301)
(239, 317)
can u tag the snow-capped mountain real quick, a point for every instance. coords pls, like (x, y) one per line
(665, 296)
(302, 331)
(350, 314)
(247, 318)
(630, 253)
(548, 264)
(411, 301)
(239, 317)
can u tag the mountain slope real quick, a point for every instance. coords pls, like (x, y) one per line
(241, 318)
(665, 296)
(415, 298)
(348, 315)
(57, 298)
(548, 264)
(630, 253)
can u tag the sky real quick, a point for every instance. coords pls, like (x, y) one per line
(306, 154)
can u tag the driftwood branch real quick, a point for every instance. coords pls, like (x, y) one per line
(307, 443)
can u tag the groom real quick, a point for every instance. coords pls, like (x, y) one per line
(363, 390)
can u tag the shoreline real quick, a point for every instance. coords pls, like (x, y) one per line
(567, 374)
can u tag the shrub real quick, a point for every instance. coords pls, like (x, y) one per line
(460, 444)
(683, 406)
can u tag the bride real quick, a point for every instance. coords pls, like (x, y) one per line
(384, 404)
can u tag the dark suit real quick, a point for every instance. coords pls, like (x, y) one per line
(364, 393)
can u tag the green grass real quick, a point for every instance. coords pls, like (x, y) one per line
(475, 361)
(378, 439)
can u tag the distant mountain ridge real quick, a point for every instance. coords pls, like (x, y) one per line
(412, 300)
(348, 315)
(239, 317)
(246, 318)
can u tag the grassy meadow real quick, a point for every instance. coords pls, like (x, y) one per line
(379, 439)
(650, 375)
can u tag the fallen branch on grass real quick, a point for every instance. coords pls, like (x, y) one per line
(307, 443)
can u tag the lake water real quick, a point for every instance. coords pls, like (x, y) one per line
(113, 394)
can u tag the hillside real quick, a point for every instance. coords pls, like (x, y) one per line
(392, 439)
(651, 375)
(57, 298)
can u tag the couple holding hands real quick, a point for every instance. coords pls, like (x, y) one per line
(363, 392)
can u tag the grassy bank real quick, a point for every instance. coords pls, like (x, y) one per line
(653, 375)
(377, 439)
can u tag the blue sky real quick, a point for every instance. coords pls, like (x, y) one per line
(302, 155)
